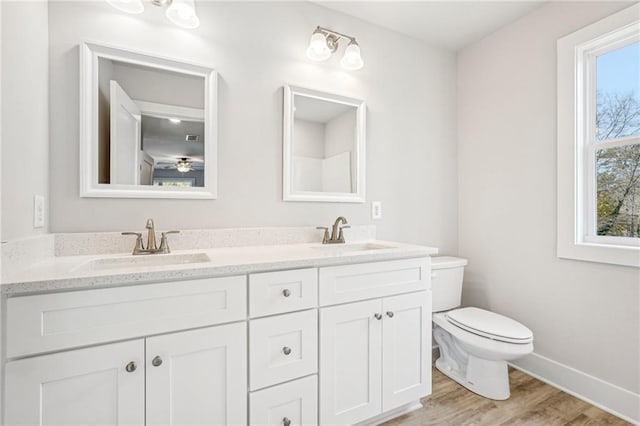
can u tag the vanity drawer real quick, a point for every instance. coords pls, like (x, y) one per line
(282, 348)
(348, 283)
(283, 291)
(50, 322)
(296, 401)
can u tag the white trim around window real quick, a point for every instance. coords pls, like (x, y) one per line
(576, 133)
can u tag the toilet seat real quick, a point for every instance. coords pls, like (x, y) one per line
(490, 325)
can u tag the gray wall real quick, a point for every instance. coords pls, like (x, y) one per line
(583, 315)
(409, 88)
(25, 115)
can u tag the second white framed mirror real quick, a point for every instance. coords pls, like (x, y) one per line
(323, 146)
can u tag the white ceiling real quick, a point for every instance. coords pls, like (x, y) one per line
(165, 141)
(451, 24)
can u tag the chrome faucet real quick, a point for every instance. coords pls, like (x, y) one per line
(337, 236)
(152, 247)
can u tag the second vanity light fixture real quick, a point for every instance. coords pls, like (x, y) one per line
(180, 12)
(324, 43)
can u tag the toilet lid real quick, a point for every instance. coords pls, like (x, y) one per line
(489, 324)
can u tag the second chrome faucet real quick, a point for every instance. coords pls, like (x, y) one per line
(337, 236)
(151, 247)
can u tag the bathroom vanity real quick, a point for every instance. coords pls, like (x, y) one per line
(295, 334)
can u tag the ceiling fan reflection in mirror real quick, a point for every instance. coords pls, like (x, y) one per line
(182, 164)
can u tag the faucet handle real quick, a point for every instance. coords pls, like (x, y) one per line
(164, 242)
(137, 234)
(325, 237)
(139, 244)
(341, 234)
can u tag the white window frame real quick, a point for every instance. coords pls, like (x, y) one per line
(577, 145)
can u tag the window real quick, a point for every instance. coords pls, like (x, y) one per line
(599, 141)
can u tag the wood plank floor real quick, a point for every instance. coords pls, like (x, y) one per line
(532, 403)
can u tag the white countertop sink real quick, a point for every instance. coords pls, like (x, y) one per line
(58, 273)
(125, 262)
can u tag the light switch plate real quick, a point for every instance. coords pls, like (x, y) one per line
(376, 210)
(38, 211)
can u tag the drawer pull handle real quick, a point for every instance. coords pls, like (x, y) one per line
(378, 316)
(286, 292)
(286, 350)
(156, 361)
(131, 367)
(390, 314)
(286, 421)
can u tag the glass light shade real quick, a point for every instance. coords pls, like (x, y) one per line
(129, 6)
(352, 60)
(183, 14)
(183, 165)
(318, 49)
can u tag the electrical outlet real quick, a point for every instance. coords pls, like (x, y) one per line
(38, 211)
(376, 210)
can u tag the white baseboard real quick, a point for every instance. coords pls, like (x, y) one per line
(606, 396)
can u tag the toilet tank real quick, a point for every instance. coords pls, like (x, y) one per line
(446, 282)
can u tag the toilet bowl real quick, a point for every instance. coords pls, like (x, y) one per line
(474, 344)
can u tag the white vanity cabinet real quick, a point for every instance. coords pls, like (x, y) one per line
(192, 377)
(375, 355)
(328, 345)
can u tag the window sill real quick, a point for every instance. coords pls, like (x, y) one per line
(601, 253)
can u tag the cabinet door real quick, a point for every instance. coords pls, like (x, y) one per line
(80, 387)
(198, 377)
(406, 349)
(350, 363)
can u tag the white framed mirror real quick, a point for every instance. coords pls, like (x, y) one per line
(323, 146)
(148, 126)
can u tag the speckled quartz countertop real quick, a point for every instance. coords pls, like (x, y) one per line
(63, 273)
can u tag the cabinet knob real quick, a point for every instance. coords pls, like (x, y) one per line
(390, 314)
(156, 361)
(378, 316)
(286, 421)
(286, 350)
(131, 367)
(286, 292)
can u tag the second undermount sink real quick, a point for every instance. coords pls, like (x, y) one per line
(354, 247)
(111, 263)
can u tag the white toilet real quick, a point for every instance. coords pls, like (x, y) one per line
(475, 344)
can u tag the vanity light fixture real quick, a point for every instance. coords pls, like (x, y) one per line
(324, 43)
(175, 120)
(180, 12)
(183, 165)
